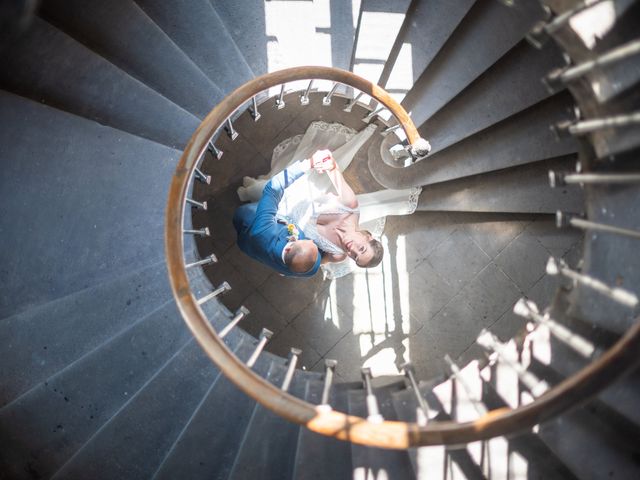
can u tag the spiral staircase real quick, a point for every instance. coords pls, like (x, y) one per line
(530, 109)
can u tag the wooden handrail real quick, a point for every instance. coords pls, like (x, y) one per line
(620, 359)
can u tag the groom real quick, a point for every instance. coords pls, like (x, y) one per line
(272, 242)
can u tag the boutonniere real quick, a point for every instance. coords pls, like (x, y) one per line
(293, 232)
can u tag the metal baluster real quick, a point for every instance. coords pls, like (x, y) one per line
(567, 219)
(390, 129)
(326, 101)
(349, 106)
(255, 114)
(194, 203)
(457, 375)
(224, 287)
(489, 342)
(205, 261)
(230, 130)
(373, 411)
(204, 232)
(280, 99)
(291, 369)
(330, 369)
(265, 335)
(202, 177)
(423, 408)
(529, 310)
(240, 314)
(304, 98)
(542, 30)
(369, 117)
(555, 267)
(215, 151)
(584, 127)
(560, 179)
(561, 76)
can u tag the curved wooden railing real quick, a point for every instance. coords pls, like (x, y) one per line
(388, 434)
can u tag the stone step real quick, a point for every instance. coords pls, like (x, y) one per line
(44, 428)
(522, 189)
(85, 203)
(200, 33)
(138, 47)
(426, 28)
(81, 82)
(490, 29)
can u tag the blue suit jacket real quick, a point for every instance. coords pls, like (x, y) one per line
(260, 235)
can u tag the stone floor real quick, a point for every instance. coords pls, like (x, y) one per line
(444, 278)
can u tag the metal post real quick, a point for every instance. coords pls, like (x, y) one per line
(304, 98)
(629, 299)
(457, 375)
(202, 177)
(255, 114)
(390, 129)
(230, 130)
(372, 403)
(204, 232)
(559, 77)
(192, 202)
(595, 124)
(528, 309)
(567, 219)
(205, 261)
(410, 373)
(349, 106)
(560, 179)
(224, 287)
(215, 151)
(330, 368)
(240, 314)
(489, 342)
(291, 369)
(265, 335)
(326, 101)
(280, 99)
(369, 117)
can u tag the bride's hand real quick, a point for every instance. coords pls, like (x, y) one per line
(322, 161)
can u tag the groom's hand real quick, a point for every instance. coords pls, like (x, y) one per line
(322, 161)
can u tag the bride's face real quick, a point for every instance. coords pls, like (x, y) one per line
(358, 248)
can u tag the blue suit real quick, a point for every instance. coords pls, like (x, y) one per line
(260, 235)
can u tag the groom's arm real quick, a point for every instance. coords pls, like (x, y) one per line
(273, 192)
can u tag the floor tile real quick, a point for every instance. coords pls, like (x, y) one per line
(458, 259)
(323, 324)
(240, 288)
(428, 293)
(255, 272)
(262, 315)
(523, 260)
(491, 235)
(490, 294)
(290, 295)
(290, 337)
(557, 241)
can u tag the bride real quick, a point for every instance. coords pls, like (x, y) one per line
(331, 220)
(337, 214)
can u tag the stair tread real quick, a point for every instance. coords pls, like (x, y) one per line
(207, 446)
(260, 459)
(45, 339)
(145, 52)
(494, 25)
(521, 139)
(93, 222)
(85, 84)
(134, 441)
(428, 24)
(319, 456)
(197, 29)
(58, 416)
(522, 189)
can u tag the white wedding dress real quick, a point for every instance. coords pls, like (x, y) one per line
(307, 197)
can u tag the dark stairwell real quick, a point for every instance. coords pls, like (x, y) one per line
(102, 379)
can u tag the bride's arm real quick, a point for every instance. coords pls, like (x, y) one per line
(346, 196)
